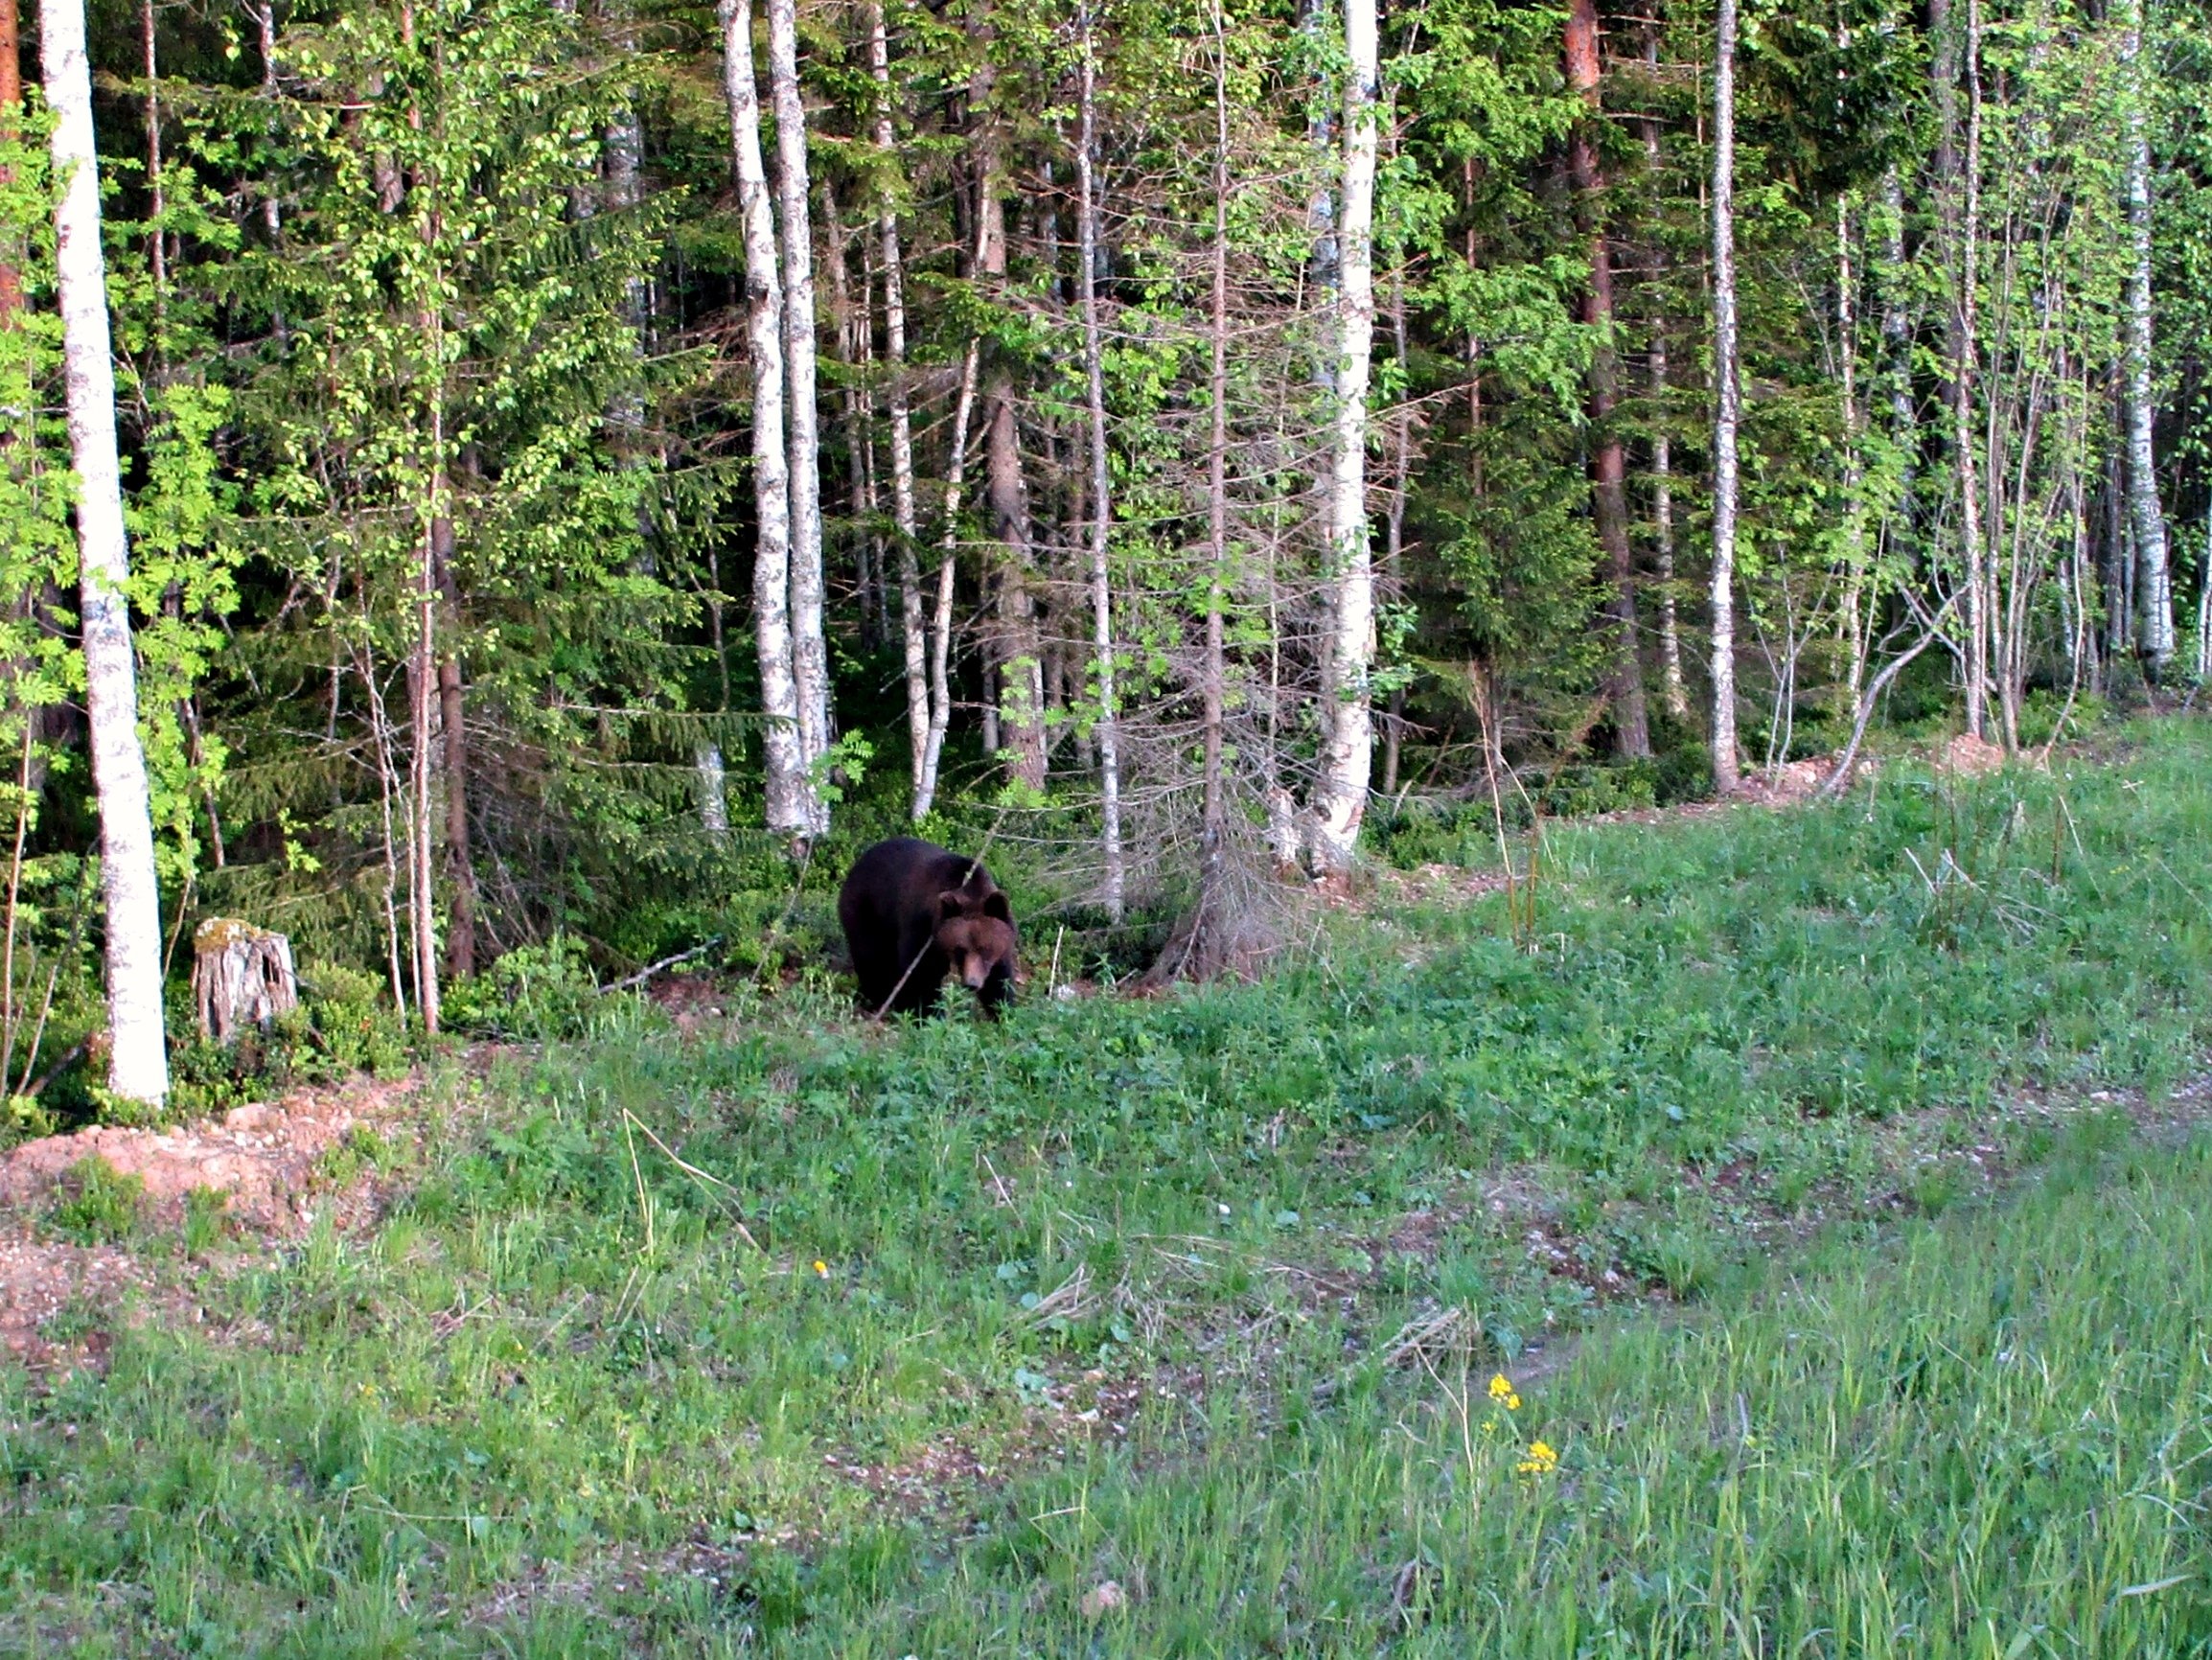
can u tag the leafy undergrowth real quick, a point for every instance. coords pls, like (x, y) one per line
(791, 1333)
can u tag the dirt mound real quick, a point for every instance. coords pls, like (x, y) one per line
(263, 1156)
(1791, 781)
(1971, 755)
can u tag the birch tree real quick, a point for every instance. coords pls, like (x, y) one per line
(138, 1055)
(1101, 472)
(1966, 311)
(1728, 415)
(791, 811)
(809, 651)
(1347, 754)
(2154, 581)
(913, 632)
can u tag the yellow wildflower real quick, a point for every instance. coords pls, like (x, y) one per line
(1502, 1392)
(1542, 1460)
(821, 1268)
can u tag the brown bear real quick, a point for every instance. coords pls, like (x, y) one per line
(913, 913)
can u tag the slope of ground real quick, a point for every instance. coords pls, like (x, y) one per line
(1163, 1326)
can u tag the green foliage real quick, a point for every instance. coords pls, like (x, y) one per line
(205, 1222)
(535, 991)
(96, 1204)
(355, 1025)
(362, 1152)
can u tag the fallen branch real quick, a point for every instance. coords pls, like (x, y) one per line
(647, 973)
(1837, 779)
(53, 1072)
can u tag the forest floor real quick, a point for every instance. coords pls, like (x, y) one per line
(1827, 1186)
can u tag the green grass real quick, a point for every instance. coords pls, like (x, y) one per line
(1105, 1293)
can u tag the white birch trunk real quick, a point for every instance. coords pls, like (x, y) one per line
(941, 644)
(1965, 355)
(1856, 621)
(912, 627)
(2154, 581)
(790, 810)
(2204, 608)
(1214, 675)
(1347, 754)
(1727, 373)
(713, 791)
(809, 652)
(1673, 687)
(1673, 691)
(1101, 481)
(1896, 353)
(138, 1054)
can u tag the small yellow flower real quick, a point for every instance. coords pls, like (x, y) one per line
(821, 1268)
(1542, 1460)
(1502, 1390)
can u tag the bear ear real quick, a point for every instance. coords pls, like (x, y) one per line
(995, 904)
(950, 903)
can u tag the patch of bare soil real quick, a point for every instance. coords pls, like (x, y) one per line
(693, 1001)
(39, 1279)
(264, 1158)
(1973, 757)
(261, 1156)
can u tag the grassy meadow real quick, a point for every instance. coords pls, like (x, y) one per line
(1801, 1250)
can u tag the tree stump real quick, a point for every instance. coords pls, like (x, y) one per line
(241, 974)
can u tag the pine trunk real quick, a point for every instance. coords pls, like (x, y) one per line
(809, 650)
(1727, 373)
(138, 1055)
(10, 113)
(1347, 757)
(1018, 708)
(1608, 457)
(788, 805)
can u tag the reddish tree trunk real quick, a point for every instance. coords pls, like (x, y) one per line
(11, 100)
(1608, 462)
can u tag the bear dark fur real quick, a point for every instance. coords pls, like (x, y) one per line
(907, 901)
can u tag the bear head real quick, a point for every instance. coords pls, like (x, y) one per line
(976, 933)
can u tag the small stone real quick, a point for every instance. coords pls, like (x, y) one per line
(1103, 1598)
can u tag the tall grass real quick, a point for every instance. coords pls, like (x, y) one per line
(1103, 1294)
(1998, 1442)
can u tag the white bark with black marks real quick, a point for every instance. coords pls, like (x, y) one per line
(1107, 729)
(808, 651)
(2154, 578)
(1728, 417)
(1346, 752)
(788, 806)
(138, 1053)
